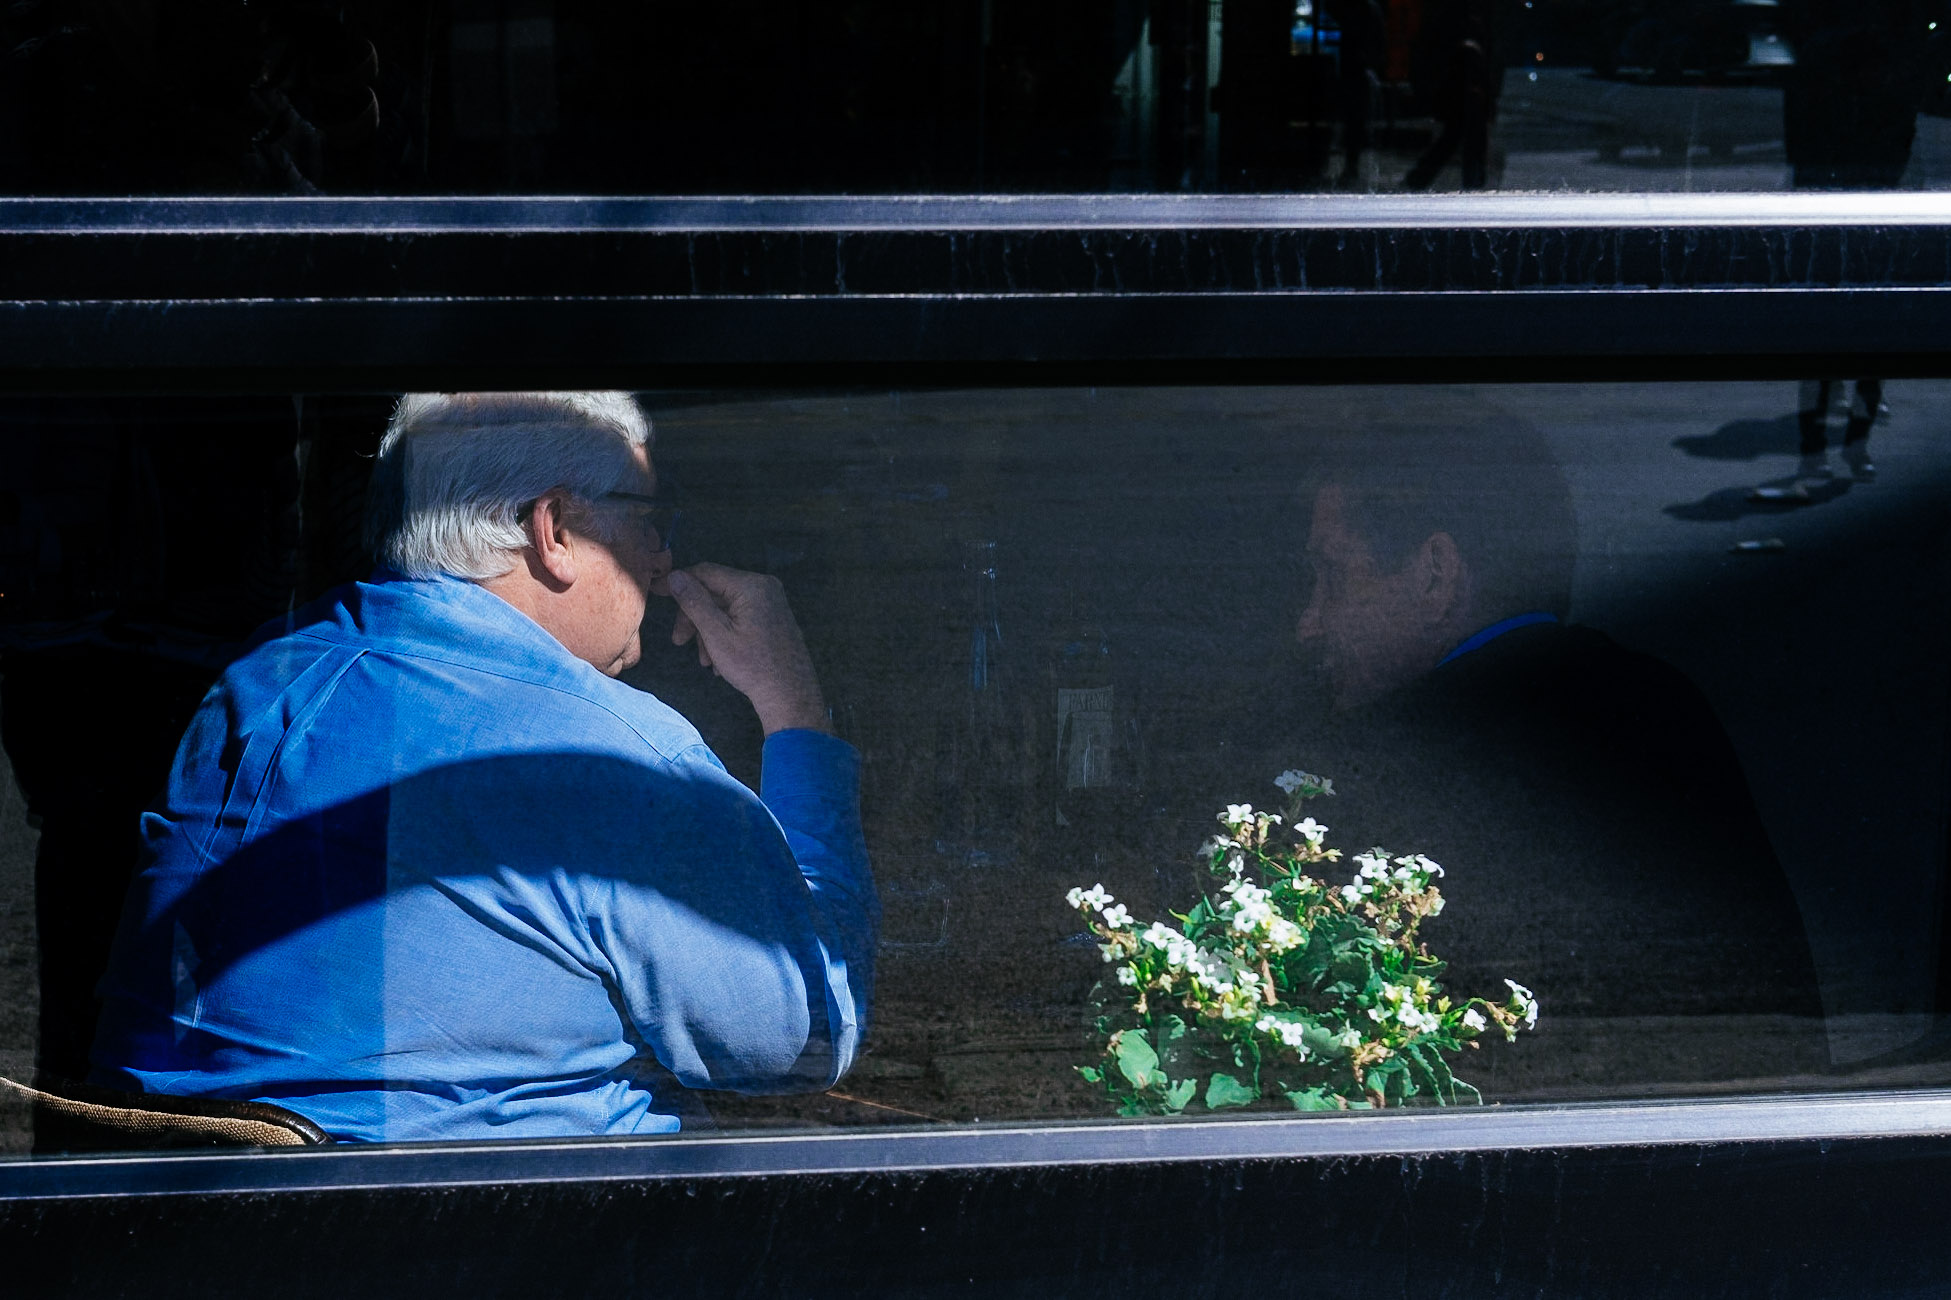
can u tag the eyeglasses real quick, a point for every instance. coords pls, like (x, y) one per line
(660, 513)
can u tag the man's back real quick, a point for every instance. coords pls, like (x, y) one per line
(422, 873)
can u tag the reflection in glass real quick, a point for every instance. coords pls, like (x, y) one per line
(572, 97)
(1678, 744)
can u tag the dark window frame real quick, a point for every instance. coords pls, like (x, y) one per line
(367, 295)
(360, 294)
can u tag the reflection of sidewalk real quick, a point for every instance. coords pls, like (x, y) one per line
(1570, 130)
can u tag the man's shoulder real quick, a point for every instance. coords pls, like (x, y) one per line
(424, 658)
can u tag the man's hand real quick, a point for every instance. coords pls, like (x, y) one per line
(746, 634)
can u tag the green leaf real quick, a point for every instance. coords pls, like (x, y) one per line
(1175, 1045)
(1091, 1073)
(1313, 1099)
(1310, 969)
(1439, 1070)
(1136, 1059)
(1178, 1095)
(1320, 1044)
(1419, 1056)
(1224, 1090)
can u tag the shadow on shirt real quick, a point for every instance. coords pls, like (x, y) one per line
(521, 925)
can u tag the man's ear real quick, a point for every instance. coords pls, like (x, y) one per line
(1442, 579)
(550, 557)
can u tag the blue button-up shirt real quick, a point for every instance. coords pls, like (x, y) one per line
(421, 873)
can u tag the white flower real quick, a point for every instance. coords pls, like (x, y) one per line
(1243, 891)
(1527, 1003)
(1474, 1019)
(1075, 897)
(1349, 1038)
(1293, 779)
(1160, 935)
(1350, 894)
(1289, 1033)
(1436, 906)
(1115, 916)
(1127, 976)
(1236, 813)
(1283, 934)
(1374, 866)
(1094, 897)
(1375, 1013)
(1311, 831)
(1251, 909)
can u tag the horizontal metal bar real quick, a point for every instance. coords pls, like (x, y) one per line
(641, 341)
(1825, 1118)
(135, 250)
(194, 216)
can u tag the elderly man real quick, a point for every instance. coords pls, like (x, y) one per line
(424, 869)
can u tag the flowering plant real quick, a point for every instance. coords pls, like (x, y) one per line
(1283, 986)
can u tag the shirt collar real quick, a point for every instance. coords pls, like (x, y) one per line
(464, 619)
(1483, 638)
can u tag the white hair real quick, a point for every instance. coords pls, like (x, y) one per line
(454, 470)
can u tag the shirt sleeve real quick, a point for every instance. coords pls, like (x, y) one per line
(811, 783)
(743, 950)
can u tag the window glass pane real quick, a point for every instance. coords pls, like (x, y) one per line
(566, 96)
(1655, 672)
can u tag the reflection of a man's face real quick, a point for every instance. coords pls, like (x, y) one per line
(1363, 625)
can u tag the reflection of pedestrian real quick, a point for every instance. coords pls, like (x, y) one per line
(1813, 418)
(1594, 814)
(1849, 110)
(1362, 48)
(1457, 74)
(1849, 114)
